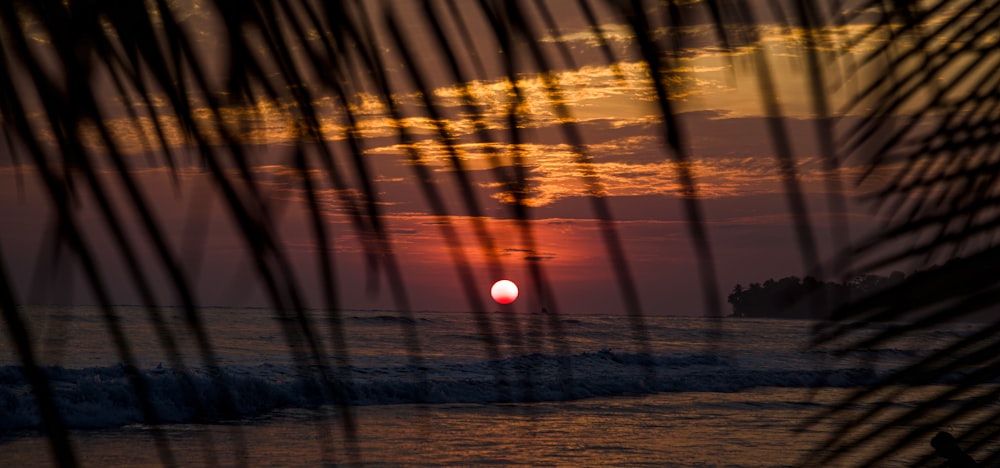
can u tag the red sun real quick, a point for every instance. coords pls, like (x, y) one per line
(504, 291)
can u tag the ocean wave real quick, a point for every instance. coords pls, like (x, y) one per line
(102, 397)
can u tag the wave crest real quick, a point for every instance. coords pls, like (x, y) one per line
(101, 397)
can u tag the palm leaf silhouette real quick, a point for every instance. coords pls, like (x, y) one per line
(926, 94)
(932, 173)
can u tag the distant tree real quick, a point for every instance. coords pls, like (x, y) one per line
(791, 297)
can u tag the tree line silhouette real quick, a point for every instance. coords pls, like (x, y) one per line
(792, 297)
(883, 296)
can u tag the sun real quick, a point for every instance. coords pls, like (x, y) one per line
(504, 291)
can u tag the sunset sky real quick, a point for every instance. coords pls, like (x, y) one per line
(716, 93)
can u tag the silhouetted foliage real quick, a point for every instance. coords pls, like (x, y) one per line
(897, 297)
(808, 298)
(933, 174)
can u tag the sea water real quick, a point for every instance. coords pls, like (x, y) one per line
(442, 389)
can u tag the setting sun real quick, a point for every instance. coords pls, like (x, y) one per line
(504, 291)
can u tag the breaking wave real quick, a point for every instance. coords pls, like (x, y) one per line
(102, 397)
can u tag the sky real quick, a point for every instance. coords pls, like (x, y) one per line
(622, 159)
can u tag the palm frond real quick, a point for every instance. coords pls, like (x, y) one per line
(930, 159)
(923, 108)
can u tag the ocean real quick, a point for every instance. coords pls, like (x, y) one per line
(446, 389)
